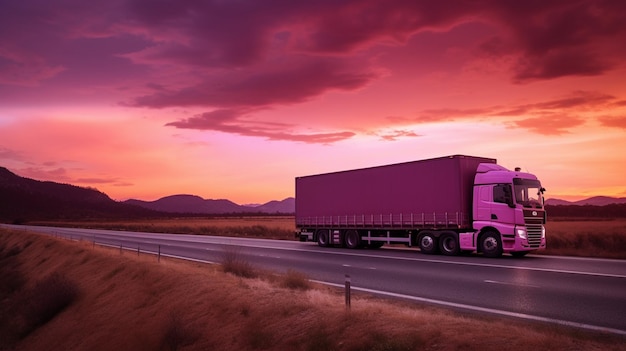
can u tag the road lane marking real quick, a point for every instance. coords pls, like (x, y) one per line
(482, 309)
(514, 284)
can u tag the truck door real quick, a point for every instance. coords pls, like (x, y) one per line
(501, 211)
(492, 204)
(483, 199)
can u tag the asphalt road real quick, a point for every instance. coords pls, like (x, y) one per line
(579, 292)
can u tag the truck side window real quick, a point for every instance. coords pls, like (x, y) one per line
(500, 193)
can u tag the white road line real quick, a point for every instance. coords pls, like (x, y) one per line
(485, 310)
(514, 284)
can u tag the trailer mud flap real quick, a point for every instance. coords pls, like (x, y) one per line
(336, 237)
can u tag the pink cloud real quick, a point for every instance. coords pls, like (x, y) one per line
(232, 121)
(10, 154)
(556, 115)
(96, 180)
(56, 174)
(550, 124)
(396, 134)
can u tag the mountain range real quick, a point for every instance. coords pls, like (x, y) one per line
(197, 205)
(24, 199)
(592, 201)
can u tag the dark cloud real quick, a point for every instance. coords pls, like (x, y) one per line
(561, 38)
(550, 38)
(234, 122)
(277, 83)
(249, 54)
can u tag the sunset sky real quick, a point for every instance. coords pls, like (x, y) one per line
(234, 98)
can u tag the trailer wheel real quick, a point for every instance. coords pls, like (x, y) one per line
(428, 243)
(449, 244)
(323, 238)
(352, 240)
(490, 244)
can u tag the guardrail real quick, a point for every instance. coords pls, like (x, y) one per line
(158, 250)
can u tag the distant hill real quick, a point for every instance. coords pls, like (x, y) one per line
(197, 205)
(287, 205)
(592, 201)
(24, 199)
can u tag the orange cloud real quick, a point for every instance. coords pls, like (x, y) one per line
(611, 121)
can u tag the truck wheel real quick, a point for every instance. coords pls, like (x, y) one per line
(490, 244)
(323, 239)
(352, 240)
(449, 244)
(428, 243)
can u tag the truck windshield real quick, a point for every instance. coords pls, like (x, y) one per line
(528, 192)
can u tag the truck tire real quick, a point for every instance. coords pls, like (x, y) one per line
(428, 243)
(449, 244)
(490, 244)
(352, 240)
(323, 238)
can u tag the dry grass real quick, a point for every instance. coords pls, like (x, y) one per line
(233, 262)
(131, 302)
(269, 227)
(590, 238)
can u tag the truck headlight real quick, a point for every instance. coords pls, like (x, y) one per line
(543, 232)
(521, 232)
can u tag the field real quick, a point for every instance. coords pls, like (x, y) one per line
(587, 238)
(79, 297)
(582, 237)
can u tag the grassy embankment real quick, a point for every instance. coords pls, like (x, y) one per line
(64, 295)
(587, 238)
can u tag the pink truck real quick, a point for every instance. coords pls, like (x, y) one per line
(445, 205)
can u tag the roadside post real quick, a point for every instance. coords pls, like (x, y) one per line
(347, 288)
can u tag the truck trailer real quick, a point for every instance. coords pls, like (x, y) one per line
(448, 205)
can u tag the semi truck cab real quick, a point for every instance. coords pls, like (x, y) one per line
(508, 212)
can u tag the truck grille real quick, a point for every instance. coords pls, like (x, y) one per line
(534, 235)
(534, 222)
